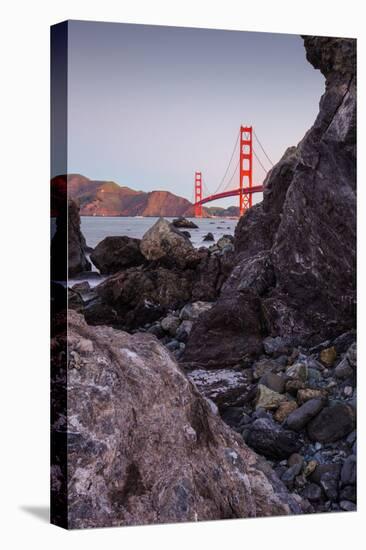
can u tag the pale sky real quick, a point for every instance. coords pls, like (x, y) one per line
(149, 105)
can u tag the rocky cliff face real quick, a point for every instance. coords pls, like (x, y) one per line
(296, 250)
(68, 246)
(103, 198)
(145, 447)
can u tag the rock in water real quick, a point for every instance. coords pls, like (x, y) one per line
(165, 243)
(73, 256)
(304, 276)
(144, 446)
(113, 254)
(183, 222)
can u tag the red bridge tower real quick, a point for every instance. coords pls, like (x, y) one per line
(198, 194)
(245, 168)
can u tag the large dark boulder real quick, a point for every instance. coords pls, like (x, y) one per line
(296, 250)
(226, 333)
(113, 254)
(139, 295)
(144, 447)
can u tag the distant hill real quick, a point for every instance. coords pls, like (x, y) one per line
(107, 198)
(224, 212)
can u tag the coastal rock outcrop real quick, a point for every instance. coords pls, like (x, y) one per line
(173, 274)
(296, 250)
(165, 243)
(165, 456)
(113, 254)
(73, 255)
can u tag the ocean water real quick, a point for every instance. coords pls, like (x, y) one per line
(95, 229)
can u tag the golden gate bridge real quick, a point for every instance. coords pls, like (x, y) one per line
(242, 175)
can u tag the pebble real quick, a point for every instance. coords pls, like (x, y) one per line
(348, 391)
(312, 492)
(298, 371)
(328, 356)
(268, 399)
(310, 467)
(284, 410)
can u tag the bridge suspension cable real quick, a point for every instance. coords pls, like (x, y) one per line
(261, 146)
(259, 161)
(228, 166)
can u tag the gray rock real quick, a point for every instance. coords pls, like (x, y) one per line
(332, 423)
(184, 331)
(225, 240)
(172, 345)
(268, 399)
(346, 368)
(299, 371)
(191, 312)
(170, 324)
(183, 222)
(349, 471)
(268, 438)
(288, 477)
(224, 387)
(262, 367)
(274, 382)
(209, 237)
(300, 417)
(312, 492)
(348, 493)
(165, 243)
(329, 484)
(277, 345)
(324, 469)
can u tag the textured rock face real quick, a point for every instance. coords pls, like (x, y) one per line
(139, 295)
(144, 446)
(226, 333)
(296, 250)
(113, 254)
(225, 387)
(68, 230)
(168, 245)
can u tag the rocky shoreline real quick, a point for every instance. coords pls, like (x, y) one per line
(234, 366)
